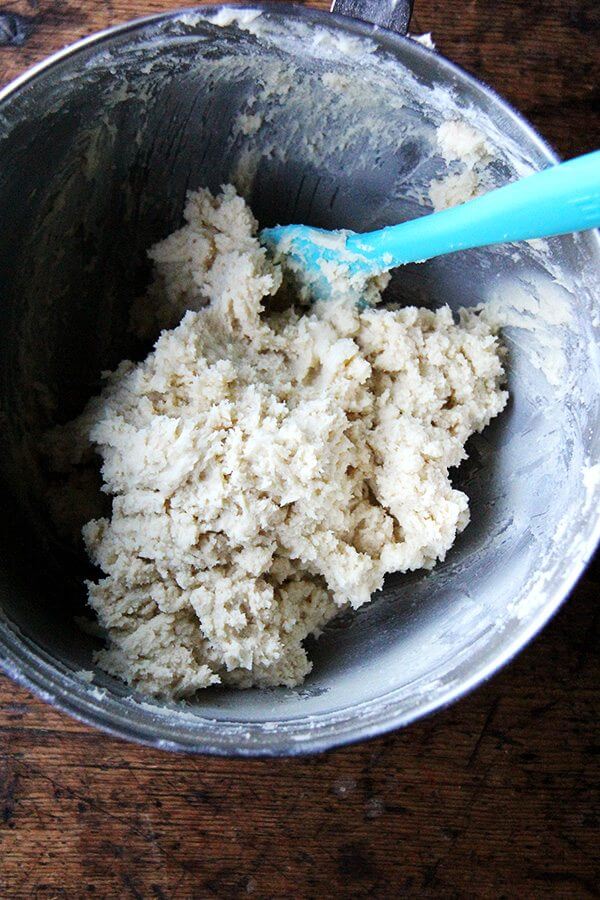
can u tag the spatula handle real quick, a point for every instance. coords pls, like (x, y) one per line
(558, 200)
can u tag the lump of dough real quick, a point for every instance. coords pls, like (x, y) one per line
(462, 145)
(268, 470)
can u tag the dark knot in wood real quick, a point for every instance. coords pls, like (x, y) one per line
(14, 29)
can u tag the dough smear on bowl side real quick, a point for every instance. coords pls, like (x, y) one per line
(267, 469)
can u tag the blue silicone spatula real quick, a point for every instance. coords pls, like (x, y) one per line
(558, 200)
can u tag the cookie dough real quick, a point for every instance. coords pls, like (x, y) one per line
(267, 469)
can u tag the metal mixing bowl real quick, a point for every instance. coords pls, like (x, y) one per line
(317, 118)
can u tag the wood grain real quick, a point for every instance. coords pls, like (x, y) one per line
(495, 797)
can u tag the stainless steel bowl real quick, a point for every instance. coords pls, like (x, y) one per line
(99, 145)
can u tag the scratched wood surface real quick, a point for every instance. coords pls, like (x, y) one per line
(495, 797)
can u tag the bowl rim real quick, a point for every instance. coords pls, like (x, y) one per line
(30, 666)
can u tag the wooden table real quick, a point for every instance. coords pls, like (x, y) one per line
(495, 797)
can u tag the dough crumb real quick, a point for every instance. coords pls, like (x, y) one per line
(267, 468)
(454, 188)
(425, 39)
(467, 153)
(85, 675)
(460, 141)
